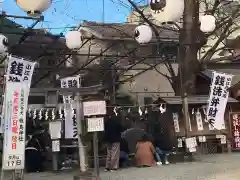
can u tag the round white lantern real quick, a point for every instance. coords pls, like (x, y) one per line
(167, 10)
(73, 39)
(34, 7)
(143, 34)
(208, 23)
(3, 44)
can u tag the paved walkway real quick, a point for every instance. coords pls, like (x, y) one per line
(212, 167)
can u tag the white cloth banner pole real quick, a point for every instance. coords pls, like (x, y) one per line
(218, 99)
(70, 118)
(15, 127)
(176, 122)
(199, 121)
(18, 71)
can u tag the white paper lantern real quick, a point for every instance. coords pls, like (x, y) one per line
(3, 44)
(208, 23)
(34, 7)
(73, 39)
(143, 34)
(170, 10)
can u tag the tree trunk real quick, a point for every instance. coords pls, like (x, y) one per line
(190, 84)
(188, 48)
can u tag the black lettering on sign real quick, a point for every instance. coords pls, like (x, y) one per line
(13, 79)
(74, 124)
(64, 84)
(18, 162)
(212, 112)
(215, 101)
(28, 67)
(16, 68)
(70, 83)
(75, 132)
(220, 80)
(10, 163)
(217, 90)
(74, 83)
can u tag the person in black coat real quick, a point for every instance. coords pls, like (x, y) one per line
(33, 155)
(112, 136)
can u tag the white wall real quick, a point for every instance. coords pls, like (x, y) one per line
(149, 81)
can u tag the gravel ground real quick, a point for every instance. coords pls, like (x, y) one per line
(212, 167)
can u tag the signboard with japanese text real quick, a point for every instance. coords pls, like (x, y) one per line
(55, 146)
(20, 70)
(55, 129)
(218, 99)
(15, 124)
(70, 113)
(93, 108)
(70, 82)
(95, 124)
(71, 124)
(176, 122)
(235, 120)
(199, 121)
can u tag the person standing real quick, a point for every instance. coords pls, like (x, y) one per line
(112, 136)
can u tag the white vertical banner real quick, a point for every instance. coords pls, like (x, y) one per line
(70, 115)
(15, 127)
(199, 120)
(218, 99)
(190, 123)
(176, 122)
(18, 71)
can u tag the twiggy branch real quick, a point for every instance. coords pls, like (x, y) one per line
(165, 75)
(156, 32)
(212, 50)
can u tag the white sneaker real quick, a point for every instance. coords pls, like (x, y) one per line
(167, 162)
(159, 163)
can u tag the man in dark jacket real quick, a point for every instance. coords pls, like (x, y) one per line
(112, 137)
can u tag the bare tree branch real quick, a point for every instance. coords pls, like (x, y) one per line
(208, 55)
(156, 32)
(157, 70)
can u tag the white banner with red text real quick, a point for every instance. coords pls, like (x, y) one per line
(18, 71)
(15, 125)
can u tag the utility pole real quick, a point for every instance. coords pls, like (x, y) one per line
(188, 49)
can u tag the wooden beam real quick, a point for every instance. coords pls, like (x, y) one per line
(83, 91)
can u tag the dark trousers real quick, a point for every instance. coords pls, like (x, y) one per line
(161, 156)
(123, 158)
(34, 160)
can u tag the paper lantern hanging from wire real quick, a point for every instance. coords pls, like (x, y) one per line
(167, 10)
(143, 34)
(34, 7)
(3, 44)
(208, 23)
(73, 39)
